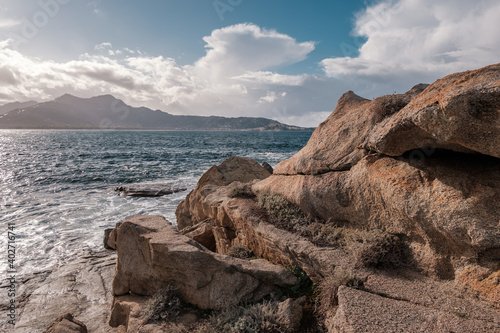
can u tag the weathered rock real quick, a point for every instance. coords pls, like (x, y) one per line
(447, 206)
(361, 311)
(148, 190)
(268, 167)
(202, 233)
(110, 243)
(460, 112)
(67, 324)
(334, 145)
(238, 221)
(153, 254)
(107, 243)
(232, 169)
(81, 287)
(442, 198)
(291, 312)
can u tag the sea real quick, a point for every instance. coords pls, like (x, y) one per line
(57, 186)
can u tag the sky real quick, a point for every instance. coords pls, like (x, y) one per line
(287, 60)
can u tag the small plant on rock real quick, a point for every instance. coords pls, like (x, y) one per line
(240, 251)
(328, 288)
(242, 191)
(285, 215)
(164, 305)
(258, 318)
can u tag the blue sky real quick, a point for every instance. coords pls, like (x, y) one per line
(287, 60)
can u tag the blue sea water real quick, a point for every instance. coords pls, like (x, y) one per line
(57, 186)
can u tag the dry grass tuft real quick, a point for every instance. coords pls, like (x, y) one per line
(240, 251)
(328, 288)
(164, 305)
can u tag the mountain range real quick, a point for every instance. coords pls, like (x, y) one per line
(108, 112)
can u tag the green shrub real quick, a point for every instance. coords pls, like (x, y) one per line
(164, 305)
(285, 214)
(240, 251)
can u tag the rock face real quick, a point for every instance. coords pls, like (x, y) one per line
(233, 169)
(152, 255)
(67, 324)
(459, 112)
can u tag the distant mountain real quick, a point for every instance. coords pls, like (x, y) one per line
(16, 105)
(107, 112)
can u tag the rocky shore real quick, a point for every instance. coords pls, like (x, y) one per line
(387, 221)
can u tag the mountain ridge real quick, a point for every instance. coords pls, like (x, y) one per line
(107, 112)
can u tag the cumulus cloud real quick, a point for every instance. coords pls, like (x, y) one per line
(240, 48)
(425, 38)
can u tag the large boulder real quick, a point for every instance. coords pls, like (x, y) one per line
(152, 255)
(233, 169)
(460, 112)
(447, 207)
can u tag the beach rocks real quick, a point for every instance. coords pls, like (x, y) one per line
(233, 169)
(67, 324)
(152, 254)
(147, 190)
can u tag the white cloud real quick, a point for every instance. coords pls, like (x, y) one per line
(426, 38)
(242, 48)
(103, 46)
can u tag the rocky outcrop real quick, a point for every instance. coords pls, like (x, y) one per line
(443, 196)
(447, 206)
(459, 112)
(423, 166)
(67, 324)
(335, 144)
(152, 255)
(233, 169)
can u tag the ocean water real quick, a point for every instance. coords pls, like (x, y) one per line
(57, 186)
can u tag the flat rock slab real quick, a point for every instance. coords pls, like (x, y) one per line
(361, 311)
(81, 287)
(148, 190)
(446, 296)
